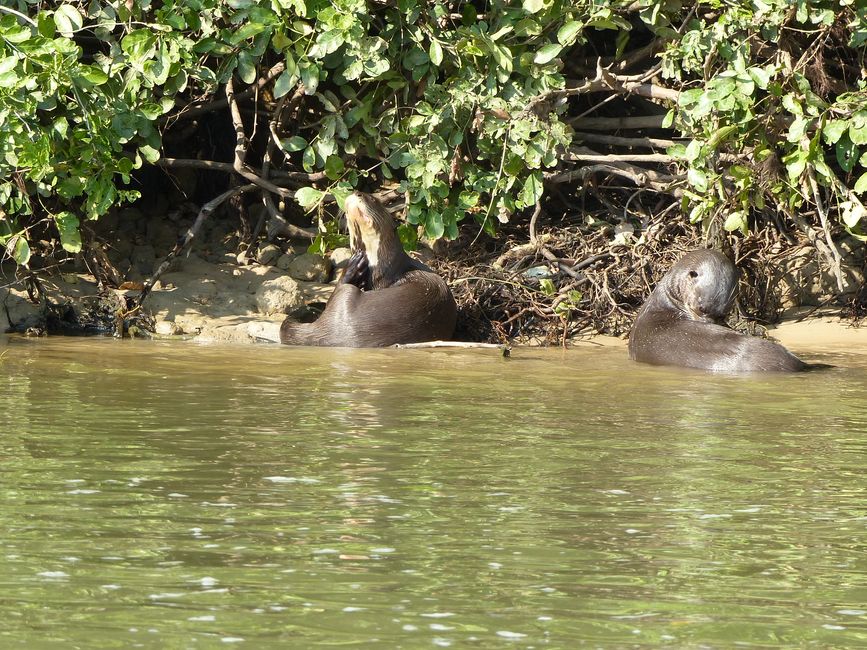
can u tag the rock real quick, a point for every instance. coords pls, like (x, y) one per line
(268, 255)
(339, 257)
(278, 296)
(310, 267)
(168, 328)
(18, 313)
(284, 261)
(265, 330)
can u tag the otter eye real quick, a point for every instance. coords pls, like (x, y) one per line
(693, 274)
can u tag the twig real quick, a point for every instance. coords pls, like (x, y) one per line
(241, 148)
(206, 211)
(190, 112)
(20, 16)
(535, 216)
(451, 344)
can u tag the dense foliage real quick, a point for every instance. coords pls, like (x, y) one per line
(474, 108)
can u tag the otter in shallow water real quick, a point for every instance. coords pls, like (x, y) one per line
(679, 325)
(384, 297)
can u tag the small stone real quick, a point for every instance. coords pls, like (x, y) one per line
(310, 267)
(339, 257)
(269, 254)
(278, 296)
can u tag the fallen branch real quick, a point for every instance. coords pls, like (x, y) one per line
(452, 344)
(616, 141)
(614, 123)
(582, 153)
(642, 177)
(229, 168)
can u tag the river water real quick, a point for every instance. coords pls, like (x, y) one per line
(184, 496)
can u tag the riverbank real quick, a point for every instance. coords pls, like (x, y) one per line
(224, 302)
(215, 294)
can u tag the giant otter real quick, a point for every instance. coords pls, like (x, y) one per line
(384, 297)
(679, 323)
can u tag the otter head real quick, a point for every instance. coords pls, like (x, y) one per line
(371, 228)
(702, 285)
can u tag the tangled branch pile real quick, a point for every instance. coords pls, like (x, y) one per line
(600, 138)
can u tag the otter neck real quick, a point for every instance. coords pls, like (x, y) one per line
(387, 260)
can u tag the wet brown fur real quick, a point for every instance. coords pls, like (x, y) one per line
(679, 324)
(404, 300)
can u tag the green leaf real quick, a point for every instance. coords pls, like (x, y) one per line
(308, 197)
(697, 178)
(693, 150)
(792, 105)
(533, 6)
(567, 34)
(433, 225)
(760, 76)
(295, 143)
(435, 52)
(861, 184)
(736, 221)
(284, 83)
(150, 153)
(334, 167)
(138, 45)
(247, 67)
(858, 133)
(70, 236)
(68, 20)
(851, 212)
(308, 159)
(833, 130)
(547, 287)
(19, 249)
(547, 53)
(8, 64)
(847, 154)
(532, 191)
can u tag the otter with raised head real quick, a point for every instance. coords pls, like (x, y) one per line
(384, 297)
(680, 324)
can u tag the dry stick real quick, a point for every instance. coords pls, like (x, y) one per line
(213, 165)
(614, 123)
(217, 104)
(241, 149)
(451, 344)
(206, 211)
(613, 140)
(582, 153)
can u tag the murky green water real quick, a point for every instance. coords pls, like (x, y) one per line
(184, 496)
